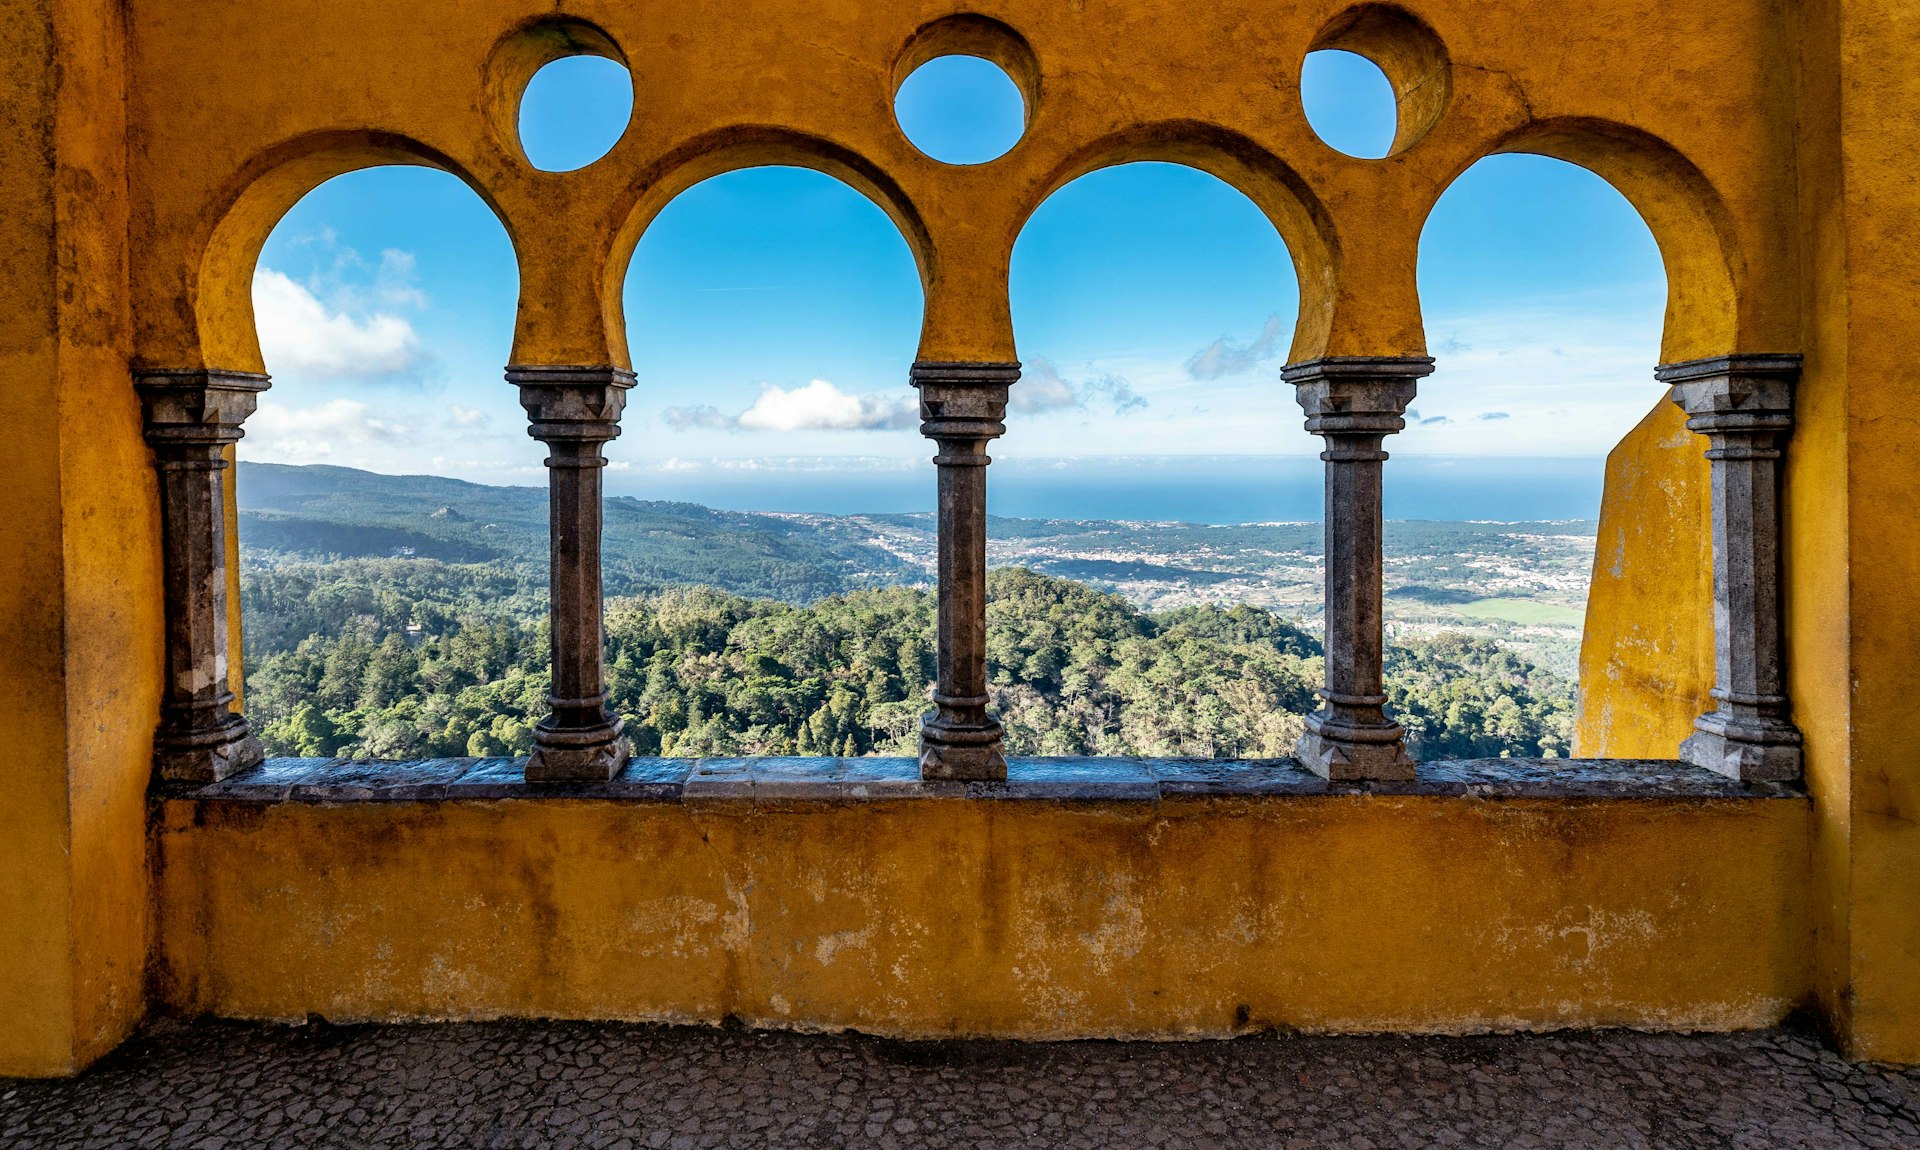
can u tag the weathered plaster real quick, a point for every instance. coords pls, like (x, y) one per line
(1113, 898)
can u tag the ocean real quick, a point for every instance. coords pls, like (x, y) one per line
(1207, 489)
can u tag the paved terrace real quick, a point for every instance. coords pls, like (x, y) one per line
(221, 1086)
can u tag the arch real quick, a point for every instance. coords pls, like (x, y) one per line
(1643, 629)
(1150, 301)
(1686, 214)
(731, 150)
(1281, 195)
(260, 195)
(398, 379)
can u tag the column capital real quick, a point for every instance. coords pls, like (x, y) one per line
(1730, 394)
(1363, 395)
(192, 409)
(578, 405)
(966, 401)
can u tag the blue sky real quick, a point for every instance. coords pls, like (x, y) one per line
(773, 313)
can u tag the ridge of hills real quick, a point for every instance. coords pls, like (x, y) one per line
(1524, 583)
(321, 512)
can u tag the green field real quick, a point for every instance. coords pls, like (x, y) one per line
(1525, 612)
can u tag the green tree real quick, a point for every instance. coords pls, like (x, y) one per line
(391, 659)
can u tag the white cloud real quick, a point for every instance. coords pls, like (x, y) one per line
(458, 416)
(1115, 390)
(1042, 388)
(1224, 357)
(301, 334)
(313, 434)
(394, 284)
(819, 406)
(703, 415)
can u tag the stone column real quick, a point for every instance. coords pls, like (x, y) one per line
(574, 411)
(191, 418)
(1743, 404)
(961, 409)
(1354, 403)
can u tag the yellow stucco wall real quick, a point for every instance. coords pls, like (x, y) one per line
(1768, 146)
(1708, 164)
(35, 934)
(1854, 625)
(1851, 561)
(1023, 918)
(1646, 655)
(79, 585)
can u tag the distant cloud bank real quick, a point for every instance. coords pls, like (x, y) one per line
(822, 406)
(312, 434)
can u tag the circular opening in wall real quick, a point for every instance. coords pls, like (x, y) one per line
(961, 110)
(1376, 79)
(1350, 103)
(573, 112)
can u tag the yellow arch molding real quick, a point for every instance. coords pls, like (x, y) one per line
(263, 192)
(1687, 216)
(735, 149)
(1280, 194)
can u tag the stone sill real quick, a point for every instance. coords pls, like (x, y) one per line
(1112, 780)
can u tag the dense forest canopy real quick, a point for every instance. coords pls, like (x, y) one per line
(412, 658)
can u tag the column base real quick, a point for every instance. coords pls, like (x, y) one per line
(1355, 753)
(970, 752)
(208, 756)
(1750, 750)
(578, 754)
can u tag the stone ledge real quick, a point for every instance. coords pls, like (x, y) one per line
(772, 780)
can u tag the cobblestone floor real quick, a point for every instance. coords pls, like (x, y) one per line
(223, 1085)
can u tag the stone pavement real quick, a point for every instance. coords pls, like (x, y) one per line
(222, 1086)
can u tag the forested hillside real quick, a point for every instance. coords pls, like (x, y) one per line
(405, 658)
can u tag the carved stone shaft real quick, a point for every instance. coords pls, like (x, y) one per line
(1743, 404)
(962, 406)
(1354, 403)
(575, 411)
(190, 419)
